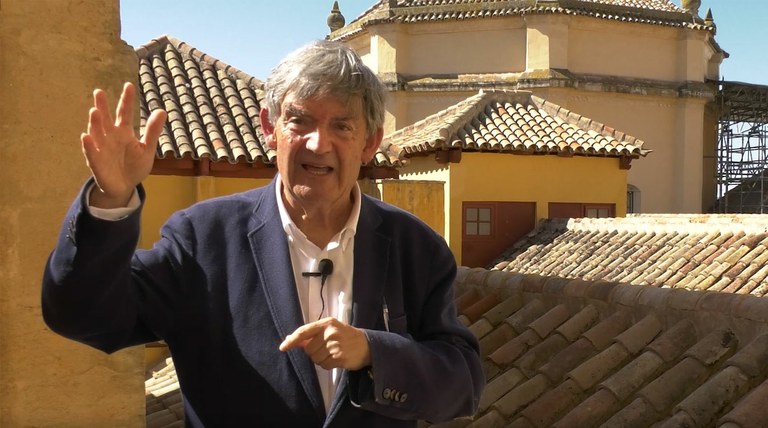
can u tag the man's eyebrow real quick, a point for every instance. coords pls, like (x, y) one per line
(293, 110)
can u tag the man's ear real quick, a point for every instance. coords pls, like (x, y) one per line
(372, 144)
(267, 129)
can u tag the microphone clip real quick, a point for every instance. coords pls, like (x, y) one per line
(324, 268)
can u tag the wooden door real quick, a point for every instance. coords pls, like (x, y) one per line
(488, 228)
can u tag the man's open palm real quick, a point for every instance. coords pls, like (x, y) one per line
(118, 160)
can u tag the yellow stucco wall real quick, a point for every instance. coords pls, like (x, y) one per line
(671, 178)
(508, 57)
(425, 169)
(424, 199)
(167, 194)
(517, 178)
(405, 47)
(53, 53)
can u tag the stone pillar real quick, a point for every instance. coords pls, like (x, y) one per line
(388, 50)
(52, 54)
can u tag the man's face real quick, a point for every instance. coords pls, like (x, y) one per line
(321, 143)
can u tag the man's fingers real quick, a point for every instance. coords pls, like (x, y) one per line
(291, 342)
(330, 344)
(302, 334)
(154, 128)
(89, 147)
(95, 124)
(125, 105)
(101, 104)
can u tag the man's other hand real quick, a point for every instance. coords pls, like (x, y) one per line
(330, 344)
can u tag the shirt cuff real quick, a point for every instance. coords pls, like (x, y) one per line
(112, 214)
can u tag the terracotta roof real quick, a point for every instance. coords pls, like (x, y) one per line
(163, 397)
(213, 108)
(514, 122)
(655, 12)
(574, 353)
(715, 252)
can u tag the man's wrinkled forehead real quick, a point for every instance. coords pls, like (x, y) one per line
(293, 105)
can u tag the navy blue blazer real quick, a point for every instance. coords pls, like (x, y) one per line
(218, 288)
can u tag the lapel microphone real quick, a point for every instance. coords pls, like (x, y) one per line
(325, 268)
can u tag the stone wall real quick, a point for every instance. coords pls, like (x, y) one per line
(52, 54)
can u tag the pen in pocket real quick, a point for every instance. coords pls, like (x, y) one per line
(385, 312)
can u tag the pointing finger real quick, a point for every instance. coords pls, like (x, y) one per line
(302, 334)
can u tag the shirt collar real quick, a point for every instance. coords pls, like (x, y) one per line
(342, 239)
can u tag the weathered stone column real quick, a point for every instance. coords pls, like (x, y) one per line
(52, 54)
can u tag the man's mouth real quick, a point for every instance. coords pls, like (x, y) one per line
(317, 170)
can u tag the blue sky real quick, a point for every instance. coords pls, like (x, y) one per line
(253, 35)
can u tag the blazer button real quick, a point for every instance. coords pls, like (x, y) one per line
(387, 393)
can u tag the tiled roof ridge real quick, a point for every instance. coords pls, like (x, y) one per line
(586, 123)
(511, 122)
(439, 135)
(156, 45)
(453, 117)
(459, 113)
(681, 223)
(715, 252)
(739, 312)
(213, 108)
(387, 11)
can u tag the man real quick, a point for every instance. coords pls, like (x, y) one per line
(303, 303)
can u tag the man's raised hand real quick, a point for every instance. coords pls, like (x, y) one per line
(118, 160)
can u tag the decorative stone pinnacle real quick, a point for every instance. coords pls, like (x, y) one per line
(710, 21)
(335, 20)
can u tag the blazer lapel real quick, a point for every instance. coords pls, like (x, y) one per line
(269, 246)
(369, 277)
(371, 268)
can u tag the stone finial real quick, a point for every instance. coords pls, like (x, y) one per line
(709, 20)
(692, 7)
(335, 20)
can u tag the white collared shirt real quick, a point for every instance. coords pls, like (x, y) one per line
(337, 291)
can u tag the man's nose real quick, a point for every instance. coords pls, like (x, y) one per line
(319, 140)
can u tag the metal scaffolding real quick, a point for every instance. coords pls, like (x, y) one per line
(742, 148)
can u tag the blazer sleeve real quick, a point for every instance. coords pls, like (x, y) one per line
(432, 372)
(95, 289)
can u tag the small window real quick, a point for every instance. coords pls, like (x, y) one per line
(477, 221)
(633, 199)
(597, 211)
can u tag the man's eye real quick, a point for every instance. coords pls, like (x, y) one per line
(297, 124)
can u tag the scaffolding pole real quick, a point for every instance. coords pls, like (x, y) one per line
(742, 148)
